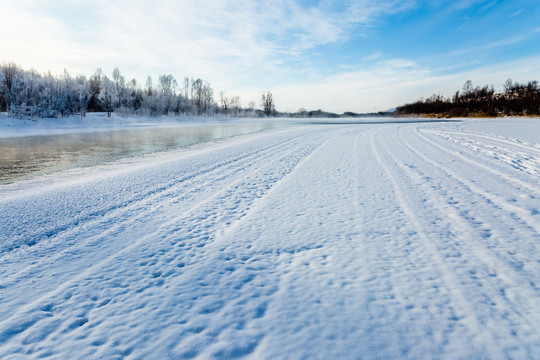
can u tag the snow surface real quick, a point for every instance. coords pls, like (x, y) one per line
(316, 242)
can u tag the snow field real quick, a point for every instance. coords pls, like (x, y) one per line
(350, 241)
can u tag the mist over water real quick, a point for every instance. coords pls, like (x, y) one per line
(31, 156)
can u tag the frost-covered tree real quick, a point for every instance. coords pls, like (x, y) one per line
(2, 96)
(94, 84)
(31, 94)
(10, 72)
(135, 96)
(224, 101)
(252, 105)
(121, 90)
(167, 93)
(229, 105)
(149, 87)
(202, 96)
(108, 96)
(235, 103)
(83, 95)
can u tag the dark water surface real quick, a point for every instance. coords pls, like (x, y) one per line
(30, 156)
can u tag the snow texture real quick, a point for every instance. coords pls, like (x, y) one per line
(314, 242)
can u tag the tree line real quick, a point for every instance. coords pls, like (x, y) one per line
(30, 94)
(517, 99)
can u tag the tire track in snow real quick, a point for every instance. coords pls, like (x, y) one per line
(525, 215)
(464, 313)
(460, 180)
(251, 262)
(514, 143)
(263, 265)
(155, 203)
(519, 295)
(516, 159)
(414, 275)
(296, 167)
(509, 179)
(212, 275)
(466, 184)
(392, 267)
(9, 323)
(392, 261)
(204, 200)
(126, 205)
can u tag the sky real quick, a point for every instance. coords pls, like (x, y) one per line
(349, 55)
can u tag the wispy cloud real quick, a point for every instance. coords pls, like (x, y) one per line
(220, 40)
(388, 84)
(374, 56)
(483, 48)
(518, 12)
(246, 46)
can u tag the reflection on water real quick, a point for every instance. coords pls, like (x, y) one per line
(37, 155)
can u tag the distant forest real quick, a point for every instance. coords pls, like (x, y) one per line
(29, 94)
(517, 99)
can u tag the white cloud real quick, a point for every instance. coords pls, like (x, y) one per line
(219, 40)
(240, 46)
(388, 84)
(517, 12)
(374, 56)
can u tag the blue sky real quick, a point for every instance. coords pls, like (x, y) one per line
(354, 55)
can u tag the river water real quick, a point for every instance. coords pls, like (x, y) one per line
(25, 157)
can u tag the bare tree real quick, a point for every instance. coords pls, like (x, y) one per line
(267, 103)
(235, 103)
(508, 85)
(468, 88)
(225, 101)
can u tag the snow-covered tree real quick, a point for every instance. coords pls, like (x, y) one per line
(30, 94)
(224, 101)
(83, 95)
(10, 72)
(202, 96)
(2, 101)
(235, 104)
(108, 96)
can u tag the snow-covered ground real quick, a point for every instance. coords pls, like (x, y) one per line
(316, 242)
